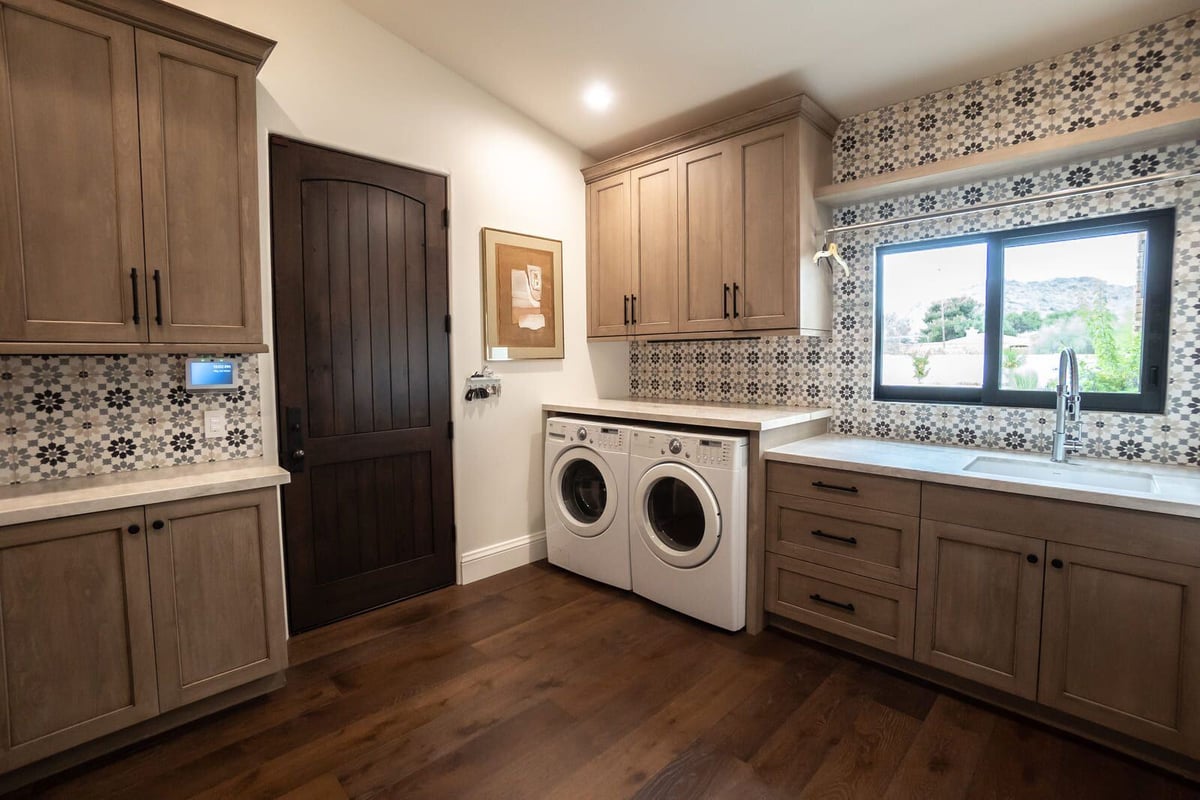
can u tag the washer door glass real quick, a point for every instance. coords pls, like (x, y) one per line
(678, 519)
(584, 491)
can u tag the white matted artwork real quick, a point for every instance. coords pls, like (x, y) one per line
(522, 296)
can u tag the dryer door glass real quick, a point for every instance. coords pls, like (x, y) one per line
(584, 492)
(676, 515)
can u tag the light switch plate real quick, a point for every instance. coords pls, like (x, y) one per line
(214, 424)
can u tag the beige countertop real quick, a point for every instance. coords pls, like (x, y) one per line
(730, 416)
(1177, 488)
(65, 498)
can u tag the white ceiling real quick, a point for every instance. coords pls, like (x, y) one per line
(677, 64)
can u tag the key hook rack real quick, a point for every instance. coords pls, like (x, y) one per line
(483, 384)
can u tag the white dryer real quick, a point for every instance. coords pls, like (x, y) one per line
(587, 477)
(687, 523)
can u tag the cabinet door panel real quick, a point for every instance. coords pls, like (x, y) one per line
(768, 160)
(215, 576)
(979, 601)
(608, 263)
(709, 235)
(1121, 644)
(200, 192)
(77, 637)
(70, 196)
(655, 234)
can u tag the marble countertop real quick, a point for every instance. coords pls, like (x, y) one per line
(709, 415)
(43, 500)
(1178, 487)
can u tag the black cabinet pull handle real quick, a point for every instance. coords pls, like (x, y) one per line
(735, 310)
(134, 529)
(626, 299)
(834, 537)
(1056, 563)
(137, 305)
(725, 301)
(157, 297)
(1031, 558)
(633, 309)
(158, 524)
(843, 606)
(834, 488)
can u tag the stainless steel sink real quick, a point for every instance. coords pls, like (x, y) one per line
(1077, 474)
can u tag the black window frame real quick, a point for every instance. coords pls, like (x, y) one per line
(1159, 225)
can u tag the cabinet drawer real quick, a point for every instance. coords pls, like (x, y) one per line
(872, 612)
(850, 488)
(874, 544)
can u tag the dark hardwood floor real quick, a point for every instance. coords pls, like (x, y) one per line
(539, 684)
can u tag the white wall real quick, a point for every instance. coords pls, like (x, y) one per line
(337, 79)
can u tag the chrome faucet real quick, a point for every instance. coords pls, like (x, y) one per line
(1068, 427)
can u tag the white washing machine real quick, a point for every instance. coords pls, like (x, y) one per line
(687, 523)
(587, 477)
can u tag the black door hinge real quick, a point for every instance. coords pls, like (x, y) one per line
(450, 429)
(445, 218)
(447, 323)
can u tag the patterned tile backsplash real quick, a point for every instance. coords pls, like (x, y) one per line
(1138, 73)
(837, 371)
(70, 416)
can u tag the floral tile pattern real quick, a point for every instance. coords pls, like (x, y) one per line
(837, 371)
(70, 416)
(1138, 73)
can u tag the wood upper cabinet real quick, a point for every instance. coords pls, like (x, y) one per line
(654, 233)
(709, 237)
(70, 195)
(75, 626)
(128, 186)
(764, 273)
(217, 586)
(1121, 644)
(200, 193)
(979, 604)
(610, 274)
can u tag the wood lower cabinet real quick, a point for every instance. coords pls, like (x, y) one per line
(128, 178)
(218, 595)
(111, 619)
(979, 605)
(75, 623)
(1121, 644)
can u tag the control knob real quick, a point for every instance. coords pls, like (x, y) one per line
(581, 434)
(675, 446)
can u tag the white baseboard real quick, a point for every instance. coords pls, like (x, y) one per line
(494, 559)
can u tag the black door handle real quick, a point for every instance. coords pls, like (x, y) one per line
(293, 440)
(735, 293)
(725, 301)
(850, 540)
(626, 298)
(833, 488)
(633, 309)
(137, 306)
(843, 606)
(157, 297)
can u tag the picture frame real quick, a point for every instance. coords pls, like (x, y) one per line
(522, 296)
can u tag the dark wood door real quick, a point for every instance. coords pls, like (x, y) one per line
(361, 299)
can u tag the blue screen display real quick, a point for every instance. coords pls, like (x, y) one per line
(210, 373)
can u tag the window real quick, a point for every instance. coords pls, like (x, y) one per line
(982, 318)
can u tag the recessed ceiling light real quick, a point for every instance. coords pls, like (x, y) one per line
(598, 97)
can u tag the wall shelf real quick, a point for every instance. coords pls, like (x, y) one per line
(1137, 133)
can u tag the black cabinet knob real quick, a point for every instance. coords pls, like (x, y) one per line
(1057, 563)
(1031, 558)
(158, 524)
(133, 529)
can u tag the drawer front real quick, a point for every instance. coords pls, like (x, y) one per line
(872, 612)
(874, 544)
(850, 488)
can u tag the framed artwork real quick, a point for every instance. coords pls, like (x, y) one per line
(522, 296)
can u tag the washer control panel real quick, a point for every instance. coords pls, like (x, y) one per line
(706, 451)
(601, 437)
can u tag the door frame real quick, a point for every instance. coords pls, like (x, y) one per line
(273, 421)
